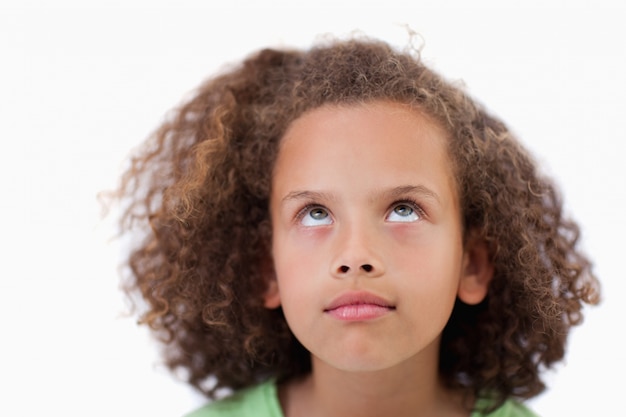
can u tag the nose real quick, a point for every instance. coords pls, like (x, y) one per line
(357, 253)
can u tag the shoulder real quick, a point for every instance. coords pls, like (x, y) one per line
(258, 401)
(510, 408)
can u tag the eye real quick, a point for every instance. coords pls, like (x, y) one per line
(315, 216)
(405, 211)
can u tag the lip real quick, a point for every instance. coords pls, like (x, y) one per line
(358, 306)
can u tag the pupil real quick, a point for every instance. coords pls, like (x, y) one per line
(403, 210)
(318, 214)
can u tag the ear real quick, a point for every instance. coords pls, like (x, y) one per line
(271, 296)
(477, 271)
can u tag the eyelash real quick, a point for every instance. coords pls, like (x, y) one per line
(409, 202)
(306, 209)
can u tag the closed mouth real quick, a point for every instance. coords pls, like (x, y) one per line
(360, 298)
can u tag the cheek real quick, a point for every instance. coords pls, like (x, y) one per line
(433, 260)
(299, 250)
(429, 288)
(296, 282)
(297, 264)
(431, 243)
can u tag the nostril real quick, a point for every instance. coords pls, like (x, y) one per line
(344, 268)
(367, 267)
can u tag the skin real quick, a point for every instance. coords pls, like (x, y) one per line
(363, 205)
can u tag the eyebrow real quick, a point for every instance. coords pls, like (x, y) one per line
(396, 192)
(422, 190)
(308, 195)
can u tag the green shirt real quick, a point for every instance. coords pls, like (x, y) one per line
(262, 401)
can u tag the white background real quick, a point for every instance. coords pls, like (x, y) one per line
(81, 83)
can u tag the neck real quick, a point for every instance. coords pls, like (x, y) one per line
(411, 388)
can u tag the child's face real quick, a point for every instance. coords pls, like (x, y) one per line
(367, 238)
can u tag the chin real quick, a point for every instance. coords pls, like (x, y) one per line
(360, 363)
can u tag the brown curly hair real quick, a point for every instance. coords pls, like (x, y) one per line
(198, 189)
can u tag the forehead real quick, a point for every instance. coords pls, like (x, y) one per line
(383, 111)
(377, 140)
(379, 118)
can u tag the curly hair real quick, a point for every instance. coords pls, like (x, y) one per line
(199, 190)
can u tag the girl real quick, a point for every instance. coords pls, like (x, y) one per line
(340, 231)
